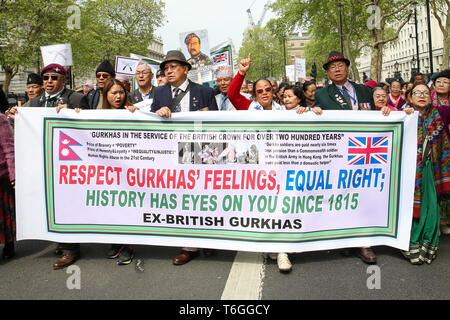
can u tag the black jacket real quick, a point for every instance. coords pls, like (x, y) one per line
(69, 97)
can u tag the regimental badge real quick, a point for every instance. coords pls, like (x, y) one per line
(340, 100)
(194, 102)
(364, 106)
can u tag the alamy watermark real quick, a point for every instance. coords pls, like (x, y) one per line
(74, 20)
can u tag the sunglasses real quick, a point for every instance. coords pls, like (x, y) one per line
(54, 78)
(268, 89)
(102, 76)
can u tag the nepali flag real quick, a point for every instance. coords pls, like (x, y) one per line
(65, 151)
(367, 150)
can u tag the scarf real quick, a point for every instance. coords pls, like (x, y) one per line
(431, 127)
(438, 102)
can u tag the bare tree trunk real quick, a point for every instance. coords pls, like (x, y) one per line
(377, 55)
(436, 6)
(446, 49)
(10, 72)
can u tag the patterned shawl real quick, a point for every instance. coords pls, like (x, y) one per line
(432, 127)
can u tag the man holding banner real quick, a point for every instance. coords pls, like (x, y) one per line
(345, 95)
(181, 95)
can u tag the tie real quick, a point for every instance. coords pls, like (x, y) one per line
(177, 92)
(347, 96)
(223, 105)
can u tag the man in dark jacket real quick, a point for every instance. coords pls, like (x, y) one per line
(195, 97)
(181, 95)
(104, 72)
(55, 93)
(342, 94)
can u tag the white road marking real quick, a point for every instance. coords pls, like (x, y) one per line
(246, 277)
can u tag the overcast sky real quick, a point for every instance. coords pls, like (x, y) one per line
(223, 19)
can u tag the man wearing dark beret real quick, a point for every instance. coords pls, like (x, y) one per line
(104, 72)
(34, 87)
(55, 94)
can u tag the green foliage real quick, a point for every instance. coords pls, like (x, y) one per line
(267, 53)
(112, 28)
(107, 28)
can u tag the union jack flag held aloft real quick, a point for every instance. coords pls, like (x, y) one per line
(367, 150)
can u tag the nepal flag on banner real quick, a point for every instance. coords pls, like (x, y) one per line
(65, 151)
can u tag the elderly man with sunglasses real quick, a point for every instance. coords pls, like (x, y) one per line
(55, 94)
(104, 72)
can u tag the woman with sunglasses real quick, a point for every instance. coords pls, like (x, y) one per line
(432, 176)
(262, 91)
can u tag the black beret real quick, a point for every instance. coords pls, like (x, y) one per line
(34, 78)
(106, 66)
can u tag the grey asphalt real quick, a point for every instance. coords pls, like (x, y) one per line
(319, 275)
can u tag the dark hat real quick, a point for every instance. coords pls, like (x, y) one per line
(106, 66)
(335, 56)
(443, 74)
(34, 78)
(175, 55)
(159, 73)
(54, 68)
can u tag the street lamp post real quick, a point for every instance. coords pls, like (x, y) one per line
(430, 45)
(340, 5)
(284, 53)
(417, 35)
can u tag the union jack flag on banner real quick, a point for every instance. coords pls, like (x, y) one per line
(367, 150)
(220, 58)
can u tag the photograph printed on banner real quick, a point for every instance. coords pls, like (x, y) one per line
(217, 153)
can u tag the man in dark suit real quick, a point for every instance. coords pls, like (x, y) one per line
(342, 94)
(55, 94)
(195, 97)
(181, 95)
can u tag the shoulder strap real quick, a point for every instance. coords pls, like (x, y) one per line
(176, 101)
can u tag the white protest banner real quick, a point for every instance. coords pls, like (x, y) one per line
(126, 66)
(58, 53)
(300, 69)
(290, 72)
(268, 181)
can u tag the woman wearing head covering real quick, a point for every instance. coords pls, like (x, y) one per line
(440, 97)
(432, 176)
(7, 185)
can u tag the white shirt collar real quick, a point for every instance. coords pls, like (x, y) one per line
(49, 96)
(183, 86)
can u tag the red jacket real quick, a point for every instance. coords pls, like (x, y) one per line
(234, 93)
